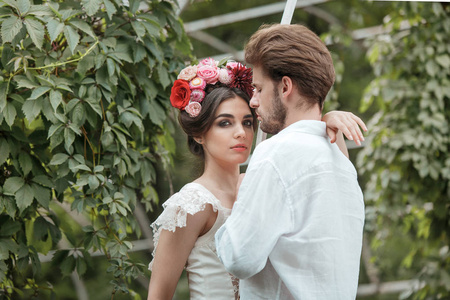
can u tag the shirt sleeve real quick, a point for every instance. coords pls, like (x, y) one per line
(259, 217)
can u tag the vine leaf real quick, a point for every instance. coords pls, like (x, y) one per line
(42, 195)
(443, 60)
(83, 26)
(72, 36)
(110, 8)
(23, 6)
(40, 10)
(68, 265)
(4, 150)
(163, 76)
(10, 28)
(43, 180)
(54, 28)
(58, 159)
(3, 101)
(138, 28)
(55, 98)
(32, 108)
(12, 185)
(24, 82)
(25, 163)
(39, 92)
(79, 114)
(12, 3)
(6, 246)
(24, 197)
(9, 113)
(91, 6)
(152, 29)
(36, 30)
(139, 53)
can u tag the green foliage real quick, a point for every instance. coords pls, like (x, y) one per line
(406, 157)
(83, 120)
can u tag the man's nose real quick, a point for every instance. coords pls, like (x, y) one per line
(254, 103)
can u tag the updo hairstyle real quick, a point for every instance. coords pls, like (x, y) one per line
(197, 126)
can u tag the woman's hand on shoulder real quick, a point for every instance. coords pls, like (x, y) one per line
(346, 122)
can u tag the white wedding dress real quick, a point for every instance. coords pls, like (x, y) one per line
(208, 278)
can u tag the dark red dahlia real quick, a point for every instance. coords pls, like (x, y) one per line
(242, 79)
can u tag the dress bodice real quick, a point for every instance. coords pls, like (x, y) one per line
(207, 276)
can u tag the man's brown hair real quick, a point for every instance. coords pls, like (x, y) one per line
(296, 52)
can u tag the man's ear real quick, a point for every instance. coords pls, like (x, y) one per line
(287, 87)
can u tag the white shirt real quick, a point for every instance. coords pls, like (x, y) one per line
(295, 231)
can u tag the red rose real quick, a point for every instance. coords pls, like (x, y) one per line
(180, 94)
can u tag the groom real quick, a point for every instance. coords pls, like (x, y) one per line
(295, 231)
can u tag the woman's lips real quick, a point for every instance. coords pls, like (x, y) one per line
(239, 147)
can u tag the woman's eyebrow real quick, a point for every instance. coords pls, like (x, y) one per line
(225, 116)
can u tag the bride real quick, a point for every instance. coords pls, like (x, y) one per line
(213, 99)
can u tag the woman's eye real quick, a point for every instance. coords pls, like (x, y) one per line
(248, 123)
(224, 123)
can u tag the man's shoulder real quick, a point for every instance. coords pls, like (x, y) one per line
(293, 142)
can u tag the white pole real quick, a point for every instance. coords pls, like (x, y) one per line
(288, 11)
(285, 19)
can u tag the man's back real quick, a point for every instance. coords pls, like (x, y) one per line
(314, 207)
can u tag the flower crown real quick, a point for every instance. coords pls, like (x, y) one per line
(188, 91)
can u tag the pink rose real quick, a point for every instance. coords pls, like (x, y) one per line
(188, 73)
(197, 83)
(208, 73)
(193, 109)
(233, 64)
(197, 95)
(225, 76)
(208, 62)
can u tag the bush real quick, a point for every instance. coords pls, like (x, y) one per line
(83, 120)
(406, 158)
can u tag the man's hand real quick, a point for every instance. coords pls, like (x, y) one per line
(346, 122)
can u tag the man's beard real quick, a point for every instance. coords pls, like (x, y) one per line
(275, 120)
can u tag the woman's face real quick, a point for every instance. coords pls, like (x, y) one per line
(229, 140)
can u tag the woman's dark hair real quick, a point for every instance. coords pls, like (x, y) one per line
(197, 126)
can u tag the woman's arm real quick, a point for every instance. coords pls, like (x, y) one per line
(347, 123)
(172, 252)
(341, 143)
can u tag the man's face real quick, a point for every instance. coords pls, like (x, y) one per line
(267, 103)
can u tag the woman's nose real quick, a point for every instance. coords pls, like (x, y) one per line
(240, 132)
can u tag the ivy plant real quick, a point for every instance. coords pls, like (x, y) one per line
(406, 158)
(83, 120)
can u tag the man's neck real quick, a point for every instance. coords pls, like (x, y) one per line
(295, 115)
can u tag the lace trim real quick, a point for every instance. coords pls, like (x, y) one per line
(191, 199)
(235, 282)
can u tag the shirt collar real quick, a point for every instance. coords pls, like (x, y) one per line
(307, 126)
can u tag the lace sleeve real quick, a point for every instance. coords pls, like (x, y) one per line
(189, 200)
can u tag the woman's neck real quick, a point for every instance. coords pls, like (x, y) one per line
(221, 181)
